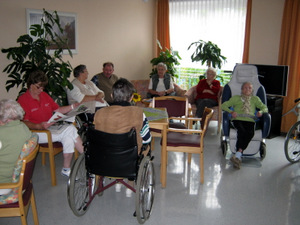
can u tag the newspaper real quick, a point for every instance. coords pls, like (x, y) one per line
(70, 116)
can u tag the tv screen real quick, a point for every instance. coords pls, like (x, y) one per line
(274, 78)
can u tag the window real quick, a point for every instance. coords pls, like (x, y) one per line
(219, 21)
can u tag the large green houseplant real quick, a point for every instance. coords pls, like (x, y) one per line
(33, 53)
(207, 52)
(169, 57)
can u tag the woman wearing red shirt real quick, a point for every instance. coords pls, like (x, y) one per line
(39, 107)
(207, 92)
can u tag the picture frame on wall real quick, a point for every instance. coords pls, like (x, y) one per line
(68, 22)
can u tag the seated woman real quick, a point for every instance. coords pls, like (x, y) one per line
(39, 107)
(160, 84)
(243, 115)
(86, 92)
(121, 116)
(13, 135)
(207, 92)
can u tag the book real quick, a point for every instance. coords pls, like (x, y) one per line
(70, 116)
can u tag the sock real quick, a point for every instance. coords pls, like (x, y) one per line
(238, 155)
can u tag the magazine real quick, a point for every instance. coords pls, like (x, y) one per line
(70, 116)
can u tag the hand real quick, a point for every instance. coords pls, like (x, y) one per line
(259, 114)
(99, 97)
(161, 93)
(45, 125)
(233, 114)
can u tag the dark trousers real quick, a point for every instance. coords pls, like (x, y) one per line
(245, 133)
(201, 103)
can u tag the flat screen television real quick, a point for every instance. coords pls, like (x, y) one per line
(274, 78)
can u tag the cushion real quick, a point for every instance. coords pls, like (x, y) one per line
(28, 147)
(191, 94)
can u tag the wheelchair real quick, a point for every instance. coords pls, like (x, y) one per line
(114, 156)
(243, 73)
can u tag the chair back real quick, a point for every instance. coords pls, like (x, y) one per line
(244, 73)
(29, 162)
(206, 117)
(176, 106)
(112, 155)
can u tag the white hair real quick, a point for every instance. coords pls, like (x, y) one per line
(161, 64)
(10, 110)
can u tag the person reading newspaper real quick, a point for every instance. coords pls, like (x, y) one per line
(39, 108)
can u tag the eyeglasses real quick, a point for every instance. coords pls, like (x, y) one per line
(39, 87)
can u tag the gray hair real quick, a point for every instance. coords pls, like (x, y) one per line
(122, 90)
(10, 110)
(161, 64)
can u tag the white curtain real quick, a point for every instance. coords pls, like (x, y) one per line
(219, 21)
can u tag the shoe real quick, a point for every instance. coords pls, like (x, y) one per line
(236, 162)
(65, 172)
(118, 187)
(128, 193)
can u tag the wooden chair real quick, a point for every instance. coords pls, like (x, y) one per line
(176, 107)
(24, 192)
(52, 148)
(186, 140)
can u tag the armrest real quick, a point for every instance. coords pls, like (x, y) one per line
(9, 185)
(186, 131)
(49, 136)
(226, 123)
(265, 121)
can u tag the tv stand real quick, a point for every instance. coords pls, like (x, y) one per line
(275, 104)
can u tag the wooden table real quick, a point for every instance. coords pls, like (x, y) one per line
(161, 124)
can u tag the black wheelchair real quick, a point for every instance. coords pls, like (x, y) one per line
(114, 156)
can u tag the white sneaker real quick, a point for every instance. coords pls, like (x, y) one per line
(65, 172)
(128, 193)
(118, 187)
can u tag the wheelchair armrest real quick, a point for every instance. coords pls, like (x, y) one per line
(265, 122)
(226, 123)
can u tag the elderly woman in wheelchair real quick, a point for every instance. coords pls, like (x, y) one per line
(114, 149)
(243, 112)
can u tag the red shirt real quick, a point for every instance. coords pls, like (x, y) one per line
(204, 85)
(37, 111)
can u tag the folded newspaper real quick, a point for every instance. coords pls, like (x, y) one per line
(70, 116)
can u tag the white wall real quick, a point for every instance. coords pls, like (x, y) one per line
(265, 31)
(121, 31)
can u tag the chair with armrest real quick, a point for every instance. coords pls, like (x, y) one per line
(52, 148)
(17, 202)
(176, 107)
(188, 141)
(245, 73)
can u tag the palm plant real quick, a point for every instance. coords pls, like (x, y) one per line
(207, 52)
(34, 53)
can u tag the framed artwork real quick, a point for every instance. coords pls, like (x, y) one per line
(68, 22)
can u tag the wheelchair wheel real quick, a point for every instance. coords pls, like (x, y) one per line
(292, 143)
(78, 187)
(145, 190)
(262, 150)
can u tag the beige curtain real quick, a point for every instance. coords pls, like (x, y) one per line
(247, 32)
(289, 54)
(163, 31)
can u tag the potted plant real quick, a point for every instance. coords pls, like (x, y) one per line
(33, 53)
(169, 57)
(207, 52)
